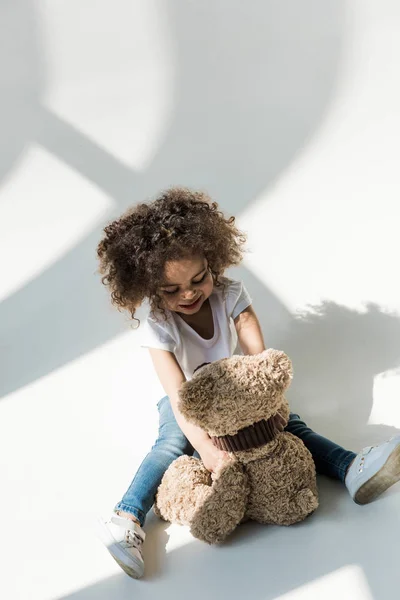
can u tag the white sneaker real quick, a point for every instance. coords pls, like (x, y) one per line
(124, 540)
(374, 470)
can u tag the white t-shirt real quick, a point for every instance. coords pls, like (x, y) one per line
(190, 349)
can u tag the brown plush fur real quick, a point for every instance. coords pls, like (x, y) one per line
(275, 483)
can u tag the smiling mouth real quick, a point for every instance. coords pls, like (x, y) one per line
(192, 305)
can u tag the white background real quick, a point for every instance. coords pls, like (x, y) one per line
(288, 113)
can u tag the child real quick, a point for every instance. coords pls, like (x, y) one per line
(174, 252)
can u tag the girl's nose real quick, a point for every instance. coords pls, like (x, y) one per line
(188, 294)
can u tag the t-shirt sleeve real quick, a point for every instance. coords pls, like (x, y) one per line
(157, 334)
(238, 298)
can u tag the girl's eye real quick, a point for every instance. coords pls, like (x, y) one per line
(202, 279)
(169, 292)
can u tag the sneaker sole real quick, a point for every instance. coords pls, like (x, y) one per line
(382, 480)
(135, 569)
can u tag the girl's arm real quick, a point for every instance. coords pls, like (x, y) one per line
(249, 332)
(171, 377)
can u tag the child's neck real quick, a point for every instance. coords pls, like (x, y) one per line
(202, 322)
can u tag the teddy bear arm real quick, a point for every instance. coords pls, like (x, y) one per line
(224, 505)
(184, 486)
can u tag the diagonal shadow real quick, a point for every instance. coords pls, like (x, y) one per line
(251, 90)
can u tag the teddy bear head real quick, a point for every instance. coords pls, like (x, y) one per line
(232, 394)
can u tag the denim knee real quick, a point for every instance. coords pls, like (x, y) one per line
(294, 416)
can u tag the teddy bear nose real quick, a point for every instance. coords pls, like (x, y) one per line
(202, 365)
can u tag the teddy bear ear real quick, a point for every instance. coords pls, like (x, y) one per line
(278, 367)
(187, 393)
(195, 397)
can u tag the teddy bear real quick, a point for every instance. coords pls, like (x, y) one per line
(268, 476)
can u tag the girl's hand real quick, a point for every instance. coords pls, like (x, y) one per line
(211, 456)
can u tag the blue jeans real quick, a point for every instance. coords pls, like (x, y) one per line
(330, 459)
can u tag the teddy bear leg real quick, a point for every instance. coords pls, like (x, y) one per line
(223, 507)
(284, 510)
(184, 485)
(303, 504)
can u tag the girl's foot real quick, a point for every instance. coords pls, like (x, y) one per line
(374, 470)
(124, 540)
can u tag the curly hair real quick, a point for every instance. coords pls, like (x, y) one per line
(180, 223)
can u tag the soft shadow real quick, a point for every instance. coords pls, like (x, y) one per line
(22, 79)
(251, 90)
(336, 354)
(155, 547)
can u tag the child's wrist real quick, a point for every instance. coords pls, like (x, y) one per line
(203, 444)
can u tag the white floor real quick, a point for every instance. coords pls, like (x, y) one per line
(288, 113)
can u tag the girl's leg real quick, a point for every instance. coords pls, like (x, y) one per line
(330, 459)
(171, 444)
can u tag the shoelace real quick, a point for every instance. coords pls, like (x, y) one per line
(366, 451)
(364, 454)
(133, 539)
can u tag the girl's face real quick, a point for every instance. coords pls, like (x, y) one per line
(187, 285)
